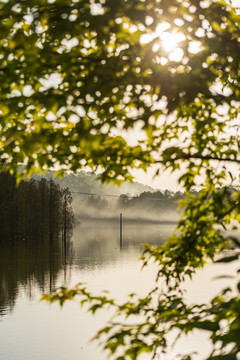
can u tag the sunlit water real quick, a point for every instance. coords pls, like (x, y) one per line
(30, 329)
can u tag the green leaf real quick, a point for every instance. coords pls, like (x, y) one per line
(227, 259)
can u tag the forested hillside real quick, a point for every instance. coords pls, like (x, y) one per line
(90, 183)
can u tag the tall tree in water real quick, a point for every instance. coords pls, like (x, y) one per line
(34, 210)
(67, 218)
(76, 76)
(7, 189)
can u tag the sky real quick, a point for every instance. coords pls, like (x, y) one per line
(165, 181)
(236, 3)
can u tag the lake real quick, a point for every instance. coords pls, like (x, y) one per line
(30, 329)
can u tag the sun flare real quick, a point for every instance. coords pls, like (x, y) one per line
(170, 42)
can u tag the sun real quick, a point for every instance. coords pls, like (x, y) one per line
(169, 41)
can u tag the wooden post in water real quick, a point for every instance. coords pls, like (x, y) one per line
(120, 231)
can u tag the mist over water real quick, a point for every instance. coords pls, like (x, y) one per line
(133, 209)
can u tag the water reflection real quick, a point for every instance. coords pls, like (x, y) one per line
(29, 267)
(24, 267)
(93, 256)
(98, 243)
(29, 327)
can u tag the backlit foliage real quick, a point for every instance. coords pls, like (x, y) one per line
(77, 75)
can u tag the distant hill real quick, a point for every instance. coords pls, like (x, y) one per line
(88, 182)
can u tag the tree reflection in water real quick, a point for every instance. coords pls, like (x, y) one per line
(36, 226)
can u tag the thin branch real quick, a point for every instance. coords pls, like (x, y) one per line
(201, 157)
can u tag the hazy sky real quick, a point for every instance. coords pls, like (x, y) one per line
(165, 180)
(236, 3)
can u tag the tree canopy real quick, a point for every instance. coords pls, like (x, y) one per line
(75, 72)
(77, 75)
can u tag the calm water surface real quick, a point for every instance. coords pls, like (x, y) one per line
(30, 329)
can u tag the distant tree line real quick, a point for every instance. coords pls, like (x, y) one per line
(148, 205)
(34, 211)
(156, 199)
